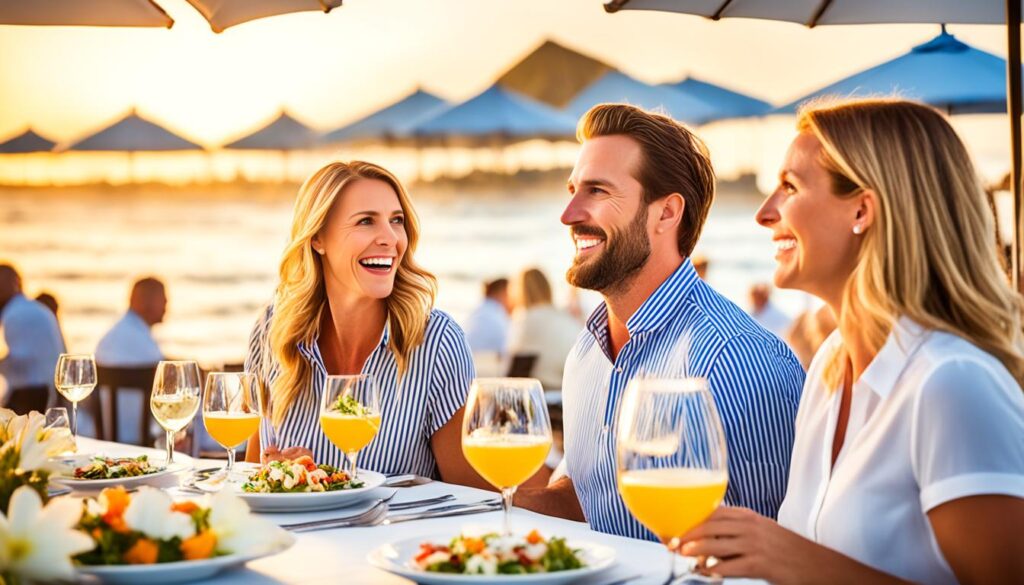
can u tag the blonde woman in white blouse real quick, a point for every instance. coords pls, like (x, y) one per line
(908, 464)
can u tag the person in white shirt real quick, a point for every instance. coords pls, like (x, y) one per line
(34, 342)
(487, 326)
(908, 464)
(540, 328)
(130, 344)
(765, 312)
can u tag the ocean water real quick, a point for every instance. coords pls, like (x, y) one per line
(217, 249)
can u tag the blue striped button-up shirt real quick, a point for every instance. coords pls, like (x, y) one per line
(434, 386)
(684, 328)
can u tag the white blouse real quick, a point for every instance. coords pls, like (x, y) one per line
(932, 419)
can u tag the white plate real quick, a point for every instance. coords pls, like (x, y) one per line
(314, 501)
(179, 572)
(396, 558)
(70, 463)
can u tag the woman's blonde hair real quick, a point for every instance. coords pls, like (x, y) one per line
(931, 253)
(301, 296)
(533, 288)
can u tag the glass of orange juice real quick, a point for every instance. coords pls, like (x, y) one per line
(350, 414)
(506, 433)
(231, 410)
(671, 458)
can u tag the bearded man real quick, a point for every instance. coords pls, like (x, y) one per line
(640, 194)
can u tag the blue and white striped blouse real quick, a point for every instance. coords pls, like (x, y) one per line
(684, 328)
(434, 386)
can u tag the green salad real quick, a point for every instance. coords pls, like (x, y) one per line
(492, 554)
(116, 467)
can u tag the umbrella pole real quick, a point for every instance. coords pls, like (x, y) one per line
(1013, 96)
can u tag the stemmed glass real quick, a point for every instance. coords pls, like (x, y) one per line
(75, 378)
(671, 457)
(231, 410)
(506, 434)
(175, 398)
(55, 420)
(350, 414)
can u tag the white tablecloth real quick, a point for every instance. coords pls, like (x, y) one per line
(339, 556)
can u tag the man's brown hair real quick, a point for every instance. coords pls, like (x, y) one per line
(673, 160)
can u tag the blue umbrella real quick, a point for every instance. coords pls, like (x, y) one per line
(390, 121)
(731, 104)
(133, 133)
(27, 141)
(497, 113)
(616, 87)
(284, 133)
(944, 73)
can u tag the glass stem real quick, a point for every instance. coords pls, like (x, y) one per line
(352, 464)
(170, 447)
(231, 460)
(506, 505)
(74, 420)
(671, 562)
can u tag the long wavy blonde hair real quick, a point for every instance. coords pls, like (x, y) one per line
(931, 253)
(301, 297)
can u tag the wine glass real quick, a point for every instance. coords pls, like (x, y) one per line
(266, 406)
(506, 433)
(55, 420)
(350, 414)
(671, 457)
(75, 378)
(231, 410)
(175, 398)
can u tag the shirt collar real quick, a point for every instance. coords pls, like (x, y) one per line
(656, 310)
(885, 369)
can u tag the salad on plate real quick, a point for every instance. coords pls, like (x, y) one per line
(493, 554)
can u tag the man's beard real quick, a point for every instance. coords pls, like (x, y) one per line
(624, 254)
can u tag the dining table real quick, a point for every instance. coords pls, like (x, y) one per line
(340, 555)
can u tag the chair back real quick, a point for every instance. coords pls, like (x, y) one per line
(110, 381)
(522, 365)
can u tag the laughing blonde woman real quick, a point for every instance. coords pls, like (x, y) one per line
(908, 464)
(352, 299)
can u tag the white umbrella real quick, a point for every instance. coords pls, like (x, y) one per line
(818, 12)
(221, 14)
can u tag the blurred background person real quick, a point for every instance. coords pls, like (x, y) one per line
(809, 330)
(765, 312)
(34, 343)
(700, 264)
(487, 328)
(130, 344)
(539, 328)
(50, 302)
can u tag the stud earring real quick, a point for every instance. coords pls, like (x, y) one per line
(857, 229)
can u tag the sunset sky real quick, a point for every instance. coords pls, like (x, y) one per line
(330, 69)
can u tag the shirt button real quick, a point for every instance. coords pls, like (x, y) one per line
(619, 369)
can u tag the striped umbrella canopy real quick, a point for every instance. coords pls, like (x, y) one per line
(26, 142)
(221, 14)
(390, 121)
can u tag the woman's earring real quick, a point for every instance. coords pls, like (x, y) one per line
(321, 250)
(857, 229)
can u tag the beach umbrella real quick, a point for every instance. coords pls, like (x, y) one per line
(553, 74)
(26, 142)
(497, 114)
(619, 87)
(972, 81)
(390, 121)
(730, 103)
(283, 134)
(812, 13)
(131, 134)
(221, 14)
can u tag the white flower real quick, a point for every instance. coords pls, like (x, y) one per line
(35, 443)
(237, 530)
(150, 513)
(37, 543)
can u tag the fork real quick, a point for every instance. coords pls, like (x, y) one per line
(375, 516)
